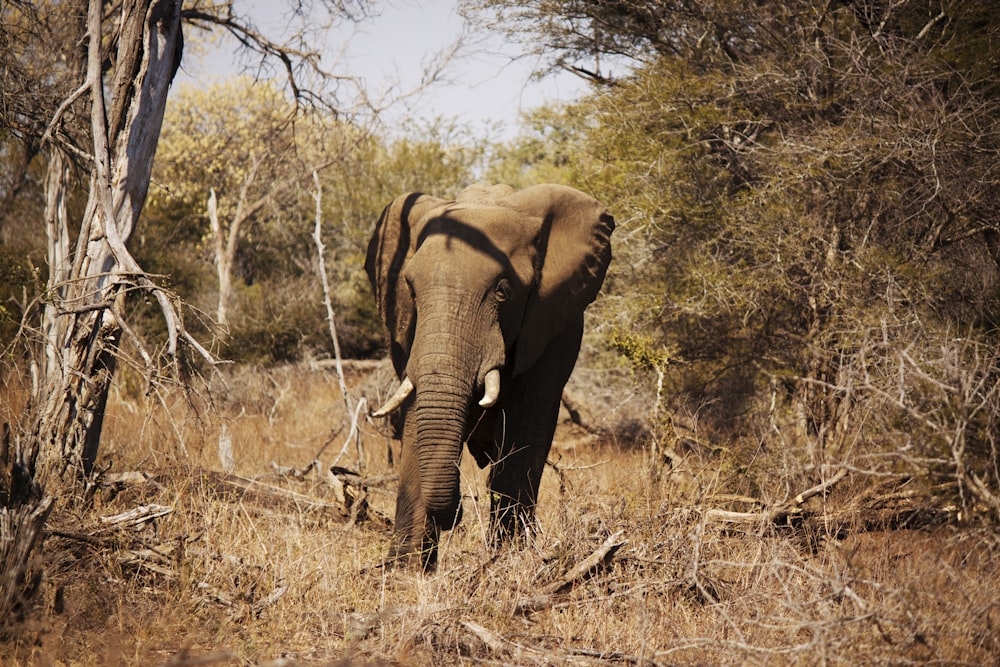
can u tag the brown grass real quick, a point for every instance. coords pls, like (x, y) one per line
(239, 579)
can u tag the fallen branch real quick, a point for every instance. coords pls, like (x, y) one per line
(153, 559)
(343, 507)
(777, 514)
(872, 509)
(599, 556)
(271, 599)
(498, 644)
(356, 365)
(250, 489)
(490, 639)
(137, 517)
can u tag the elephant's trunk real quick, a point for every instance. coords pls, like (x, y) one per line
(452, 353)
(444, 367)
(439, 414)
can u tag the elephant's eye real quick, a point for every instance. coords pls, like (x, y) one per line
(502, 291)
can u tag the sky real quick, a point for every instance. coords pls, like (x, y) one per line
(486, 88)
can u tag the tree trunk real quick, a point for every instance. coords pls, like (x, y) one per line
(83, 319)
(223, 262)
(23, 511)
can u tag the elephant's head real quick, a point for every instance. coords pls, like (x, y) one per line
(472, 292)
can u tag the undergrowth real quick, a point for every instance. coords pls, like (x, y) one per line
(215, 574)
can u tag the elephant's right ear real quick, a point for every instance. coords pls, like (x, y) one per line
(391, 246)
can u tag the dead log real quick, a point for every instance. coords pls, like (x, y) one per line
(136, 518)
(350, 491)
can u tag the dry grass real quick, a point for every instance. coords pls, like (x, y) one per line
(241, 579)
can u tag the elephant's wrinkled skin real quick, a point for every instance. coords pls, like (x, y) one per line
(491, 286)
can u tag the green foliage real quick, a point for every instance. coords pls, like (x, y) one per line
(549, 149)
(273, 321)
(241, 139)
(640, 350)
(791, 181)
(436, 158)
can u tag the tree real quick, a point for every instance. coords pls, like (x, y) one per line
(230, 150)
(119, 87)
(569, 35)
(248, 148)
(88, 86)
(84, 323)
(800, 184)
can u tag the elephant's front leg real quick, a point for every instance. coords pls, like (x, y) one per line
(524, 433)
(514, 482)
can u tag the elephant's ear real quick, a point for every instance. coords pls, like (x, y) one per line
(575, 247)
(391, 246)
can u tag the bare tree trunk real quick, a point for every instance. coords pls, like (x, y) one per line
(226, 241)
(355, 431)
(83, 320)
(223, 262)
(57, 234)
(23, 511)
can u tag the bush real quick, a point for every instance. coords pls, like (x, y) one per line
(281, 321)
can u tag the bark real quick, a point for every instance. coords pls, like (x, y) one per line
(223, 261)
(23, 511)
(84, 317)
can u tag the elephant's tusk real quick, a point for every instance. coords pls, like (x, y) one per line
(492, 392)
(405, 389)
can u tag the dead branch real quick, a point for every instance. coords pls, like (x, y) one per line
(499, 644)
(879, 508)
(355, 432)
(153, 559)
(327, 300)
(357, 365)
(490, 639)
(276, 594)
(137, 517)
(249, 489)
(602, 555)
(246, 489)
(982, 493)
(777, 514)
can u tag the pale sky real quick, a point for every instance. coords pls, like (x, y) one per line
(485, 87)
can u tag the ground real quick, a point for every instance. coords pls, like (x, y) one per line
(245, 555)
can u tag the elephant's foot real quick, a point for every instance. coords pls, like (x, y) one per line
(410, 553)
(511, 522)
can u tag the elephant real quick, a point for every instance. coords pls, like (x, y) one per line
(483, 298)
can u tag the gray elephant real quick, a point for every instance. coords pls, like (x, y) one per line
(483, 298)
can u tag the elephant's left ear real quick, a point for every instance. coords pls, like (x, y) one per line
(391, 247)
(575, 246)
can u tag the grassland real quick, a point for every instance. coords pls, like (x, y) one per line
(214, 569)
